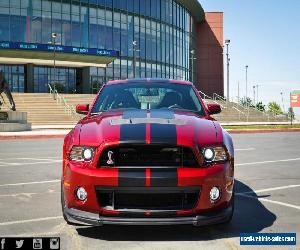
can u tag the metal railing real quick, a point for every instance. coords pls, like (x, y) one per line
(69, 109)
(203, 95)
(237, 106)
(218, 97)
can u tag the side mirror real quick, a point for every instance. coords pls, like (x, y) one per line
(82, 109)
(213, 108)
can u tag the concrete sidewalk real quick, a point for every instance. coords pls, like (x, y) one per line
(35, 134)
(44, 133)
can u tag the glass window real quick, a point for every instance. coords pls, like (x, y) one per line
(109, 3)
(123, 4)
(100, 2)
(66, 8)
(136, 6)
(4, 3)
(66, 38)
(101, 13)
(15, 4)
(93, 12)
(75, 9)
(4, 23)
(75, 31)
(18, 25)
(36, 29)
(130, 5)
(46, 5)
(56, 7)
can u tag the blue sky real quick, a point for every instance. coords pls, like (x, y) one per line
(264, 34)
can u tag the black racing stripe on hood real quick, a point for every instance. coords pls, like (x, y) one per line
(132, 177)
(163, 133)
(133, 132)
(164, 177)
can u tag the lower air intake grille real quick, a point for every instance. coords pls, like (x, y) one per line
(148, 199)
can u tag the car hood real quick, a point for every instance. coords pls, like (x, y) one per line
(155, 126)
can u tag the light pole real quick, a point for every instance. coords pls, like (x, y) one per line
(254, 94)
(238, 92)
(256, 86)
(227, 42)
(282, 101)
(54, 36)
(192, 64)
(246, 83)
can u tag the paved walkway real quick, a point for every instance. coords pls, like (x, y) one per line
(55, 132)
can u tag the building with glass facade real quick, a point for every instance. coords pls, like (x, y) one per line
(100, 40)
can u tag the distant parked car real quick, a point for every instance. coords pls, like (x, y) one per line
(148, 153)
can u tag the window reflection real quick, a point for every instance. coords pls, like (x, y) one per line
(162, 29)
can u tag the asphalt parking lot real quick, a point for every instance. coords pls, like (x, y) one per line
(267, 184)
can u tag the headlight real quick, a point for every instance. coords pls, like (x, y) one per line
(214, 154)
(79, 153)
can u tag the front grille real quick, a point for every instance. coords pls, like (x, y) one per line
(148, 156)
(161, 199)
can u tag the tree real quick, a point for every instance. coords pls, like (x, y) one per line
(261, 107)
(247, 102)
(274, 108)
(291, 114)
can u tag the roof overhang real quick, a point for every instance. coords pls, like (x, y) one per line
(195, 8)
(58, 63)
(44, 54)
(46, 58)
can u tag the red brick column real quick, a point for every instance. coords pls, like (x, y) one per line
(210, 71)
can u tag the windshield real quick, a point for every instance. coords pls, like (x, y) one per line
(148, 96)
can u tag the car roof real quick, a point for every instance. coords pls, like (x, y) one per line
(149, 80)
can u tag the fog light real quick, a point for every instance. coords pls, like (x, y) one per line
(214, 194)
(81, 194)
(209, 154)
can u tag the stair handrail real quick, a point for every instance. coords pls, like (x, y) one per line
(216, 97)
(204, 96)
(69, 109)
(264, 113)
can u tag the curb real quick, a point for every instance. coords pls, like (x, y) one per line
(259, 131)
(25, 137)
(230, 131)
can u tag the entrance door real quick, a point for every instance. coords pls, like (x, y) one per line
(17, 82)
(96, 83)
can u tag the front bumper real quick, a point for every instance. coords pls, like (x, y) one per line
(75, 216)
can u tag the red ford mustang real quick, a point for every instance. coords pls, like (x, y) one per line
(148, 153)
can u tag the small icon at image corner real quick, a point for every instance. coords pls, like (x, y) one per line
(37, 243)
(19, 243)
(2, 242)
(54, 243)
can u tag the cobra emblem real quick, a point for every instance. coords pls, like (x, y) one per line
(110, 160)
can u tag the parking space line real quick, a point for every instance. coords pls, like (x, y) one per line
(32, 158)
(29, 183)
(30, 220)
(244, 149)
(34, 234)
(270, 189)
(265, 162)
(29, 195)
(270, 201)
(11, 164)
(39, 159)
